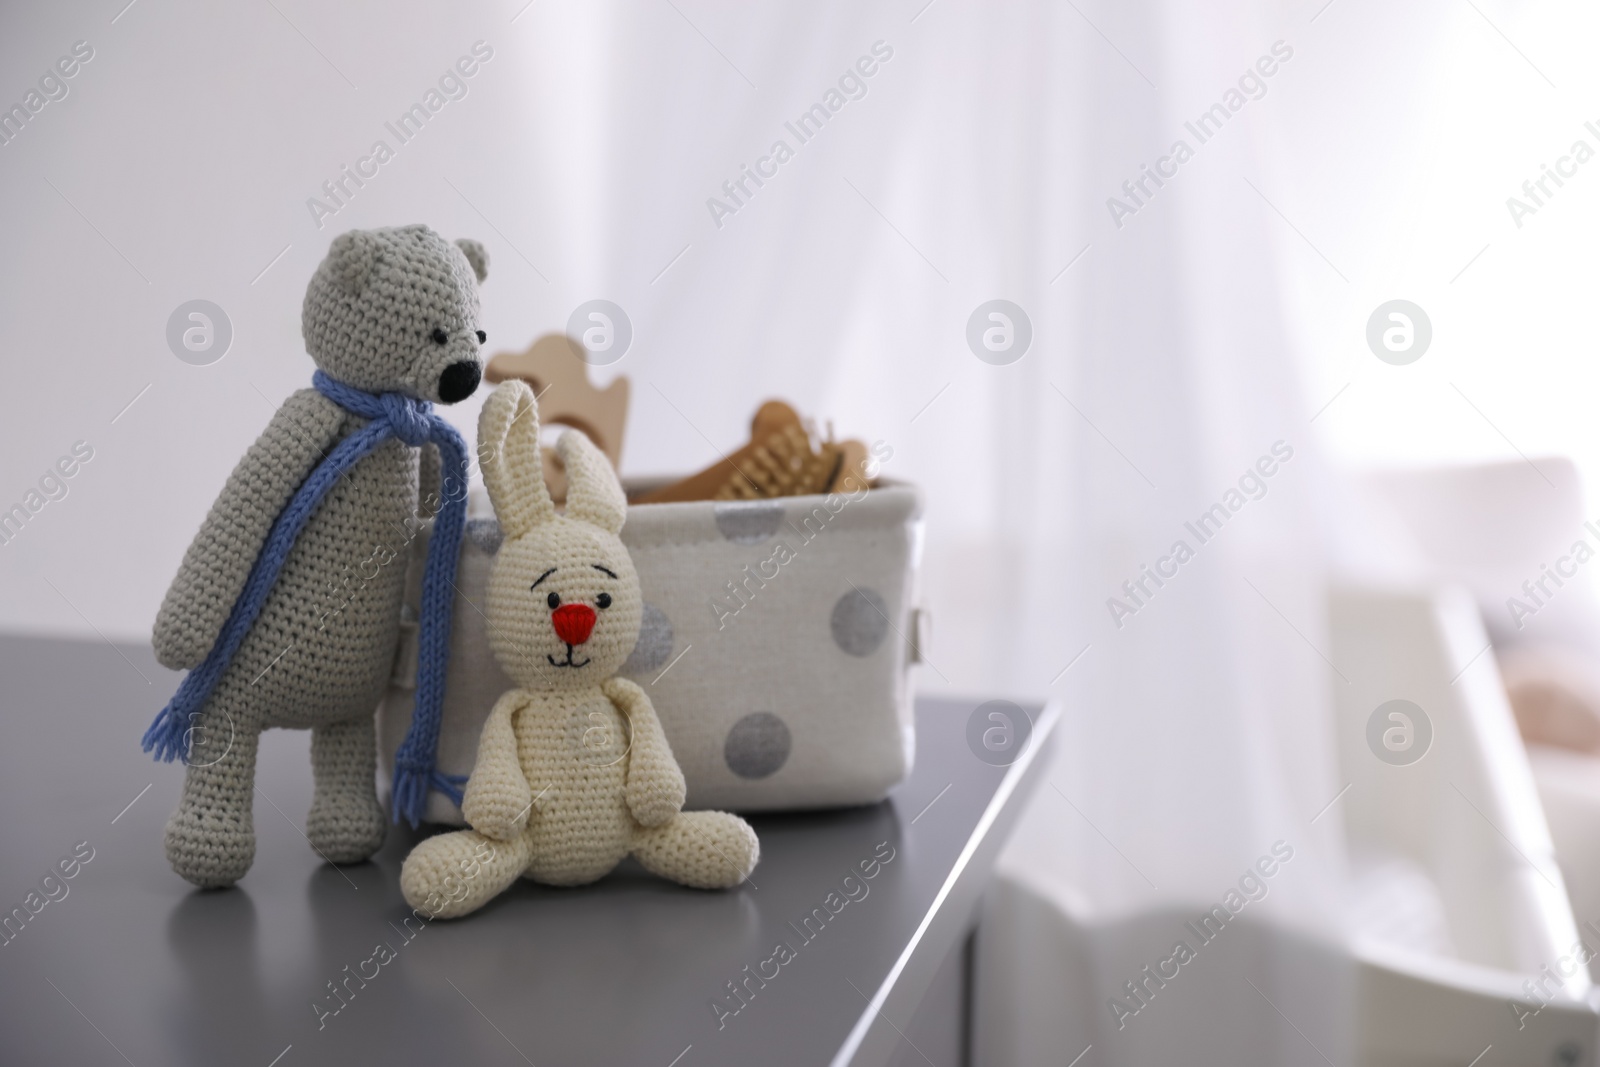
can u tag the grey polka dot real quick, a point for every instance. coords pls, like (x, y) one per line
(757, 745)
(485, 533)
(860, 621)
(655, 642)
(748, 522)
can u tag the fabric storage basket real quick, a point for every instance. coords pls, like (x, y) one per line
(776, 641)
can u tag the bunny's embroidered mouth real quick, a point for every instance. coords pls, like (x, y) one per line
(567, 662)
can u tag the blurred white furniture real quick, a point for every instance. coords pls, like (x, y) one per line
(1494, 528)
(1569, 788)
(1457, 899)
(1491, 527)
(1454, 896)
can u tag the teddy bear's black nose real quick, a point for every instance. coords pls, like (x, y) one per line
(459, 380)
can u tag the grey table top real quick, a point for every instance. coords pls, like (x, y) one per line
(133, 965)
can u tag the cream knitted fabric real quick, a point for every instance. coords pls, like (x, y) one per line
(320, 652)
(573, 771)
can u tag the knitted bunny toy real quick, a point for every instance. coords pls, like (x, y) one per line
(573, 771)
(286, 610)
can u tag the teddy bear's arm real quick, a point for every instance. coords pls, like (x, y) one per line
(498, 798)
(656, 788)
(219, 558)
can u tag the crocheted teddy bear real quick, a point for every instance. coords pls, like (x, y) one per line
(296, 626)
(573, 772)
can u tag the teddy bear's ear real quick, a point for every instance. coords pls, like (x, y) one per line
(351, 258)
(594, 495)
(475, 255)
(509, 456)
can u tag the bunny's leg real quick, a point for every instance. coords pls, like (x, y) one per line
(211, 838)
(703, 849)
(346, 823)
(450, 875)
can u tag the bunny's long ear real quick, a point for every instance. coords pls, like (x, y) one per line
(594, 495)
(508, 453)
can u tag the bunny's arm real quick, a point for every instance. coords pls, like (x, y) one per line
(498, 797)
(219, 558)
(656, 789)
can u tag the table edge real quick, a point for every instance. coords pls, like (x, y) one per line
(870, 1028)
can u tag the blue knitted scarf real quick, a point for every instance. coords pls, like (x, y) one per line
(413, 422)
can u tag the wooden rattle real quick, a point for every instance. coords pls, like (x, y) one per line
(560, 380)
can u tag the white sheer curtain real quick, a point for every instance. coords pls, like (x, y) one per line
(978, 166)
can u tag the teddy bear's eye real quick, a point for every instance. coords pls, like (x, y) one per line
(439, 336)
(604, 600)
(554, 600)
(482, 337)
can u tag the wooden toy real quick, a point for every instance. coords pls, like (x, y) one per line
(560, 379)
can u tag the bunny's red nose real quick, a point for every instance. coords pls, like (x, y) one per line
(573, 622)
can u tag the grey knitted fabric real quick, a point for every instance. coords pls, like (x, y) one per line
(320, 652)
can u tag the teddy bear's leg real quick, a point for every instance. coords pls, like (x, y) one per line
(450, 875)
(211, 839)
(703, 849)
(346, 823)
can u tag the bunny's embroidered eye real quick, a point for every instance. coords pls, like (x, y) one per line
(554, 600)
(439, 336)
(482, 337)
(604, 600)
